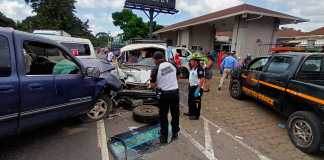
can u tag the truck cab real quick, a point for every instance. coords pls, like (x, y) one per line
(292, 84)
(184, 56)
(40, 82)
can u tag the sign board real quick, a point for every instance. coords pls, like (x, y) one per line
(163, 4)
(75, 52)
(155, 4)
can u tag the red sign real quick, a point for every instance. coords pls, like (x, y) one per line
(75, 52)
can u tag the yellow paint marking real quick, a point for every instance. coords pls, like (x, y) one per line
(259, 96)
(311, 98)
(269, 100)
(273, 86)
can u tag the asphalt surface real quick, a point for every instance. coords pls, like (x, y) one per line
(72, 140)
(227, 130)
(68, 140)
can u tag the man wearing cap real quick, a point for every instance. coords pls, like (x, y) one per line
(164, 78)
(196, 82)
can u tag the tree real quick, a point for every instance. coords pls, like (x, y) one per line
(102, 39)
(132, 25)
(56, 15)
(6, 22)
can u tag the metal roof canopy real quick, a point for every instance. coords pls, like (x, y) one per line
(228, 15)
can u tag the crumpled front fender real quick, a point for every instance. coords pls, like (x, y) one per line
(108, 82)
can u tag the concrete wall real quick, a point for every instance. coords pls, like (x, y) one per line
(253, 37)
(249, 37)
(203, 36)
(183, 37)
(173, 36)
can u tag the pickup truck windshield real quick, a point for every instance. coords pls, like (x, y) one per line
(5, 69)
(279, 64)
(141, 57)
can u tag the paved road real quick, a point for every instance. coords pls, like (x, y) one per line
(255, 123)
(68, 140)
(228, 130)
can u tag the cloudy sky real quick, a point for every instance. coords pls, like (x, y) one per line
(99, 11)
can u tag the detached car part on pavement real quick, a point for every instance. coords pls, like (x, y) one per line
(293, 85)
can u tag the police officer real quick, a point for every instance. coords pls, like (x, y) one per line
(196, 82)
(164, 78)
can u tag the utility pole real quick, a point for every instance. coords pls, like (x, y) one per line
(151, 17)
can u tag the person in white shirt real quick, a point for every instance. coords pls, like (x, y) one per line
(164, 78)
(110, 56)
(196, 83)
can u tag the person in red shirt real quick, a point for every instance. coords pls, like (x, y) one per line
(220, 59)
(177, 59)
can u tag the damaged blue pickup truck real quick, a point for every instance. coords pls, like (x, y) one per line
(40, 82)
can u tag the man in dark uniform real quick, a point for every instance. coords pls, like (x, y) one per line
(164, 78)
(196, 82)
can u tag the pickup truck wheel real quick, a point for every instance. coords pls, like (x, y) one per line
(100, 109)
(304, 129)
(236, 89)
(146, 114)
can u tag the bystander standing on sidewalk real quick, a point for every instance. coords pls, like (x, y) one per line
(228, 64)
(208, 67)
(196, 82)
(247, 60)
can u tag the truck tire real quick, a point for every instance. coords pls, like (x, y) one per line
(236, 89)
(146, 114)
(100, 110)
(184, 73)
(305, 131)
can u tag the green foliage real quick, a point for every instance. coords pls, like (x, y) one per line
(60, 15)
(132, 25)
(102, 39)
(55, 15)
(6, 22)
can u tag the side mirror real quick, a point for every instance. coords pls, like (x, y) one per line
(93, 72)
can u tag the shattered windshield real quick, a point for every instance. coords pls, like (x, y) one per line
(143, 57)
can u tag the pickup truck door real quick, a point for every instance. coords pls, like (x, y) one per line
(252, 74)
(53, 86)
(38, 93)
(307, 87)
(9, 88)
(273, 81)
(74, 88)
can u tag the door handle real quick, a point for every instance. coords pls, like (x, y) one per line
(35, 87)
(6, 89)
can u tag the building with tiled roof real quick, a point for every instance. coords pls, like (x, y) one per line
(250, 26)
(312, 38)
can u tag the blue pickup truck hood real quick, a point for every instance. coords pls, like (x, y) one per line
(105, 67)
